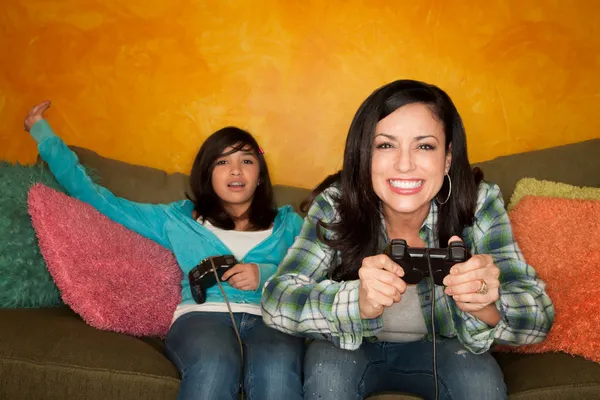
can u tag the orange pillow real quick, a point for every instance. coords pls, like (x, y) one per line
(560, 238)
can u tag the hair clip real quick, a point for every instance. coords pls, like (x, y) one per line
(261, 151)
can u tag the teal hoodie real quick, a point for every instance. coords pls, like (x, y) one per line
(170, 225)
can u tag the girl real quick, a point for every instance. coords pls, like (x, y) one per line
(233, 212)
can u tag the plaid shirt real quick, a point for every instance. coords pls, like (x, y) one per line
(300, 299)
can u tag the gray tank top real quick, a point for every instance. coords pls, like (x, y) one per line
(404, 321)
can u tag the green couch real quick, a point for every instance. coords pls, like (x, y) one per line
(52, 354)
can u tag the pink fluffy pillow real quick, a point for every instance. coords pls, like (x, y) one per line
(114, 278)
(559, 238)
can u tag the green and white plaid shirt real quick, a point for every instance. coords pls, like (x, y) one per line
(300, 299)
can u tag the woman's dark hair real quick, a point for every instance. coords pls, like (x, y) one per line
(207, 204)
(356, 232)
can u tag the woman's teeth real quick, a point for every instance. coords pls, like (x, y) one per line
(405, 184)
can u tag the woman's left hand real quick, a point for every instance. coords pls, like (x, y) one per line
(243, 276)
(473, 284)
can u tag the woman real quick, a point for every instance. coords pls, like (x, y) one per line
(405, 175)
(233, 213)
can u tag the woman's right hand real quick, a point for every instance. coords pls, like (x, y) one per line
(380, 285)
(36, 114)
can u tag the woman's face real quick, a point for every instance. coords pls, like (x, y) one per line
(409, 160)
(235, 178)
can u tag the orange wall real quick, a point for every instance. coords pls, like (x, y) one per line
(146, 82)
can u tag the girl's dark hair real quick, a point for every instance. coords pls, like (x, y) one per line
(207, 204)
(356, 232)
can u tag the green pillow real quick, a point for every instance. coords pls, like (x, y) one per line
(534, 187)
(24, 277)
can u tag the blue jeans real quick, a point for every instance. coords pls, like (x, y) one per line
(333, 373)
(204, 347)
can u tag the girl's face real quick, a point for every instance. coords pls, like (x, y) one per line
(235, 178)
(409, 160)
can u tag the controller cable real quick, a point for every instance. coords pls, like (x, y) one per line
(237, 333)
(433, 323)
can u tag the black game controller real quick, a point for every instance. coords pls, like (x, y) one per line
(202, 276)
(414, 261)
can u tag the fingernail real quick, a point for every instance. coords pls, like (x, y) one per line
(453, 271)
(445, 281)
(448, 291)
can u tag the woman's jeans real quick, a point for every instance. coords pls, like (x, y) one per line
(332, 373)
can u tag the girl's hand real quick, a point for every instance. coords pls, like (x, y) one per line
(36, 114)
(243, 276)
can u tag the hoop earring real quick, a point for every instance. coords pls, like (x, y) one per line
(449, 192)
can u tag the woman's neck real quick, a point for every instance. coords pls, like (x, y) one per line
(406, 226)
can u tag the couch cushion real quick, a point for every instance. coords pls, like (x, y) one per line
(151, 185)
(573, 164)
(134, 182)
(290, 195)
(50, 353)
(576, 164)
(551, 376)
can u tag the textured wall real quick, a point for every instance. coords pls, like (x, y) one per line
(147, 81)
